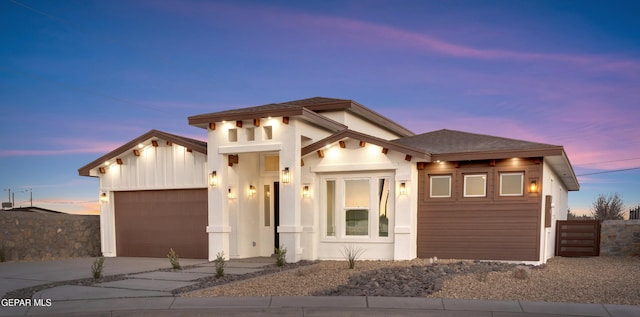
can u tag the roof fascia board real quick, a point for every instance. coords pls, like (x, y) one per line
(363, 137)
(203, 120)
(485, 155)
(378, 118)
(85, 170)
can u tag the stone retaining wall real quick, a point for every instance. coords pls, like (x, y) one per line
(620, 237)
(35, 236)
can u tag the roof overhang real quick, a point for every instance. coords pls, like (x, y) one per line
(192, 144)
(202, 121)
(555, 156)
(346, 133)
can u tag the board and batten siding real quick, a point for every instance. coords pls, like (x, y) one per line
(493, 227)
(165, 166)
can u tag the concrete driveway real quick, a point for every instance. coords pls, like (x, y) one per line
(17, 275)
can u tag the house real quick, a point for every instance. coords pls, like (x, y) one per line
(319, 174)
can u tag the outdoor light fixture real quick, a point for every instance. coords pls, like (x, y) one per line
(104, 198)
(252, 190)
(213, 179)
(403, 188)
(305, 191)
(230, 194)
(533, 187)
(286, 175)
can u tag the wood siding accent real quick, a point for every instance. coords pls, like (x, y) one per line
(493, 227)
(149, 223)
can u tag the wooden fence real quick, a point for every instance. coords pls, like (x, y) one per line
(578, 238)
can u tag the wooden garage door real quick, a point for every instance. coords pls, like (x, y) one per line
(150, 222)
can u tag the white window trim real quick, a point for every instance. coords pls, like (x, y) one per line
(464, 190)
(521, 174)
(431, 177)
(340, 208)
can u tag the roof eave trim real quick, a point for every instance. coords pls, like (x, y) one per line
(500, 154)
(346, 133)
(86, 170)
(204, 119)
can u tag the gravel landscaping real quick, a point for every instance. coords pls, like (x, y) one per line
(604, 280)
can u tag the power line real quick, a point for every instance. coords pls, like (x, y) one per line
(612, 171)
(612, 161)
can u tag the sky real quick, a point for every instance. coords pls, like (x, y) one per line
(78, 78)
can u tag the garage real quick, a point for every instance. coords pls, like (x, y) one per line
(150, 222)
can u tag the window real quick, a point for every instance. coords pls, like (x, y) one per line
(440, 186)
(475, 185)
(383, 207)
(267, 206)
(357, 206)
(331, 208)
(511, 184)
(271, 163)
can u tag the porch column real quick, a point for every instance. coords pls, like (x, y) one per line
(218, 228)
(290, 228)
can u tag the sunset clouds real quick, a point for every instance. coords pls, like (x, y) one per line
(80, 80)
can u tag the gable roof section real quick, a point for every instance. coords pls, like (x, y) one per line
(193, 144)
(309, 109)
(367, 138)
(451, 145)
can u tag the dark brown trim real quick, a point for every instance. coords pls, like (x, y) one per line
(488, 155)
(366, 138)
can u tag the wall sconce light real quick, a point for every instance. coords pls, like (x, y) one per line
(305, 191)
(533, 187)
(104, 198)
(213, 179)
(286, 175)
(230, 193)
(403, 188)
(252, 190)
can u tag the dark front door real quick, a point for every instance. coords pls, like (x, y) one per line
(276, 214)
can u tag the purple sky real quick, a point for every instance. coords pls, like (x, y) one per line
(80, 78)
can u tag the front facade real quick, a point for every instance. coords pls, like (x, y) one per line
(317, 175)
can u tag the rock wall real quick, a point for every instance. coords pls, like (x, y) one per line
(620, 237)
(35, 236)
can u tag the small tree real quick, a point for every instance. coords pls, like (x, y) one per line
(572, 216)
(608, 207)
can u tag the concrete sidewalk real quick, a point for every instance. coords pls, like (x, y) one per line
(317, 306)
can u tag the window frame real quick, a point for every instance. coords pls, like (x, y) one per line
(431, 177)
(500, 192)
(464, 186)
(373, 210)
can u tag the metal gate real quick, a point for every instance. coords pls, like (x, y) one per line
(578, 238)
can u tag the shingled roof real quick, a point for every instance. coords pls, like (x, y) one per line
(451, 145)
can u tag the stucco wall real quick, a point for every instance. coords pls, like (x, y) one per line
(620, 237)
(35, 236)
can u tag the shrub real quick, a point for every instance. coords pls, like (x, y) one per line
(96, 268)
(173, 259)
(2, 255)
(521, 273)
(351, 253)
(281, 254)
(219, 264)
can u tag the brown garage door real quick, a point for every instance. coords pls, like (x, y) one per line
(150, 222)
